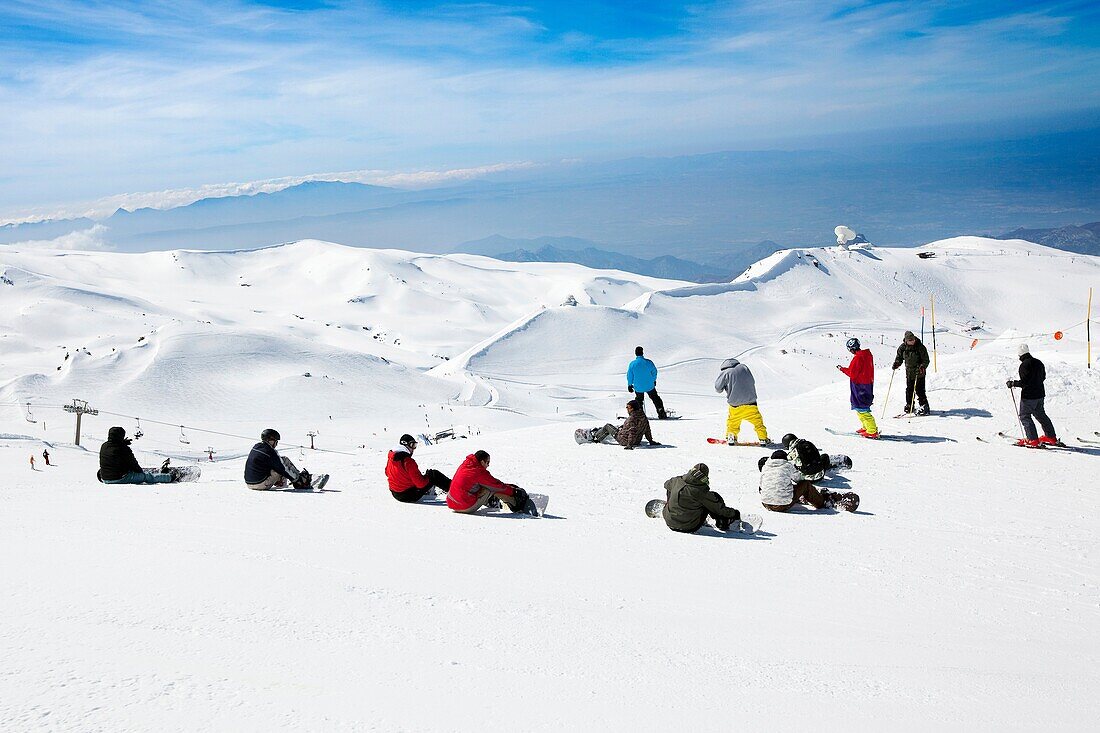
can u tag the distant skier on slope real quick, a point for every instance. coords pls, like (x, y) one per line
(474, 487)
(265, 469)
(628, 435)
(914, 354)
(690, 502)
(46, 456)
(737, 382)
(117, 464)
(641, 379)
(407, 483)
(782, 485)
(861, 372)
(1032, 396)
(810, 462)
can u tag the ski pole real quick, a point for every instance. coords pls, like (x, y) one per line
(886, 402)
(1016, 409)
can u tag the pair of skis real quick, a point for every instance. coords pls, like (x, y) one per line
(1012, 440)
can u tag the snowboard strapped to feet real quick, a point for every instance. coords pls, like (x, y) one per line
(748, 524)
(750, 444)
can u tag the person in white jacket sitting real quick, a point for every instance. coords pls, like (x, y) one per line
(782, 486)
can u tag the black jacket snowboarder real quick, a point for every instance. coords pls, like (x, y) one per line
(116, 459)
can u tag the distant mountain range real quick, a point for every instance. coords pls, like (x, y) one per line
(710, 209)
(1084, 239)
(585, 252)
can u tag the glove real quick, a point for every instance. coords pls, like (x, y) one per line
(630, 388)
(722, 523)
(896, 367)
(1010, 384)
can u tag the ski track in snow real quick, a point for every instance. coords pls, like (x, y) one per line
(962, 595)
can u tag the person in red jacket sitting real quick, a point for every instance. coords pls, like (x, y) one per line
(861, 372)
(473, 487)
(407, 484)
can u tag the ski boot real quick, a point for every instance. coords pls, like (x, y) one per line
(731, 438)
(1047, 440)
(1025, 443)
(493, 504)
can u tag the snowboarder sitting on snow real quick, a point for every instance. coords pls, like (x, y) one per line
(117, 464)
(810, 462)
(914, 355)
(690, 502)
(407, 484)
(631, 432)
(265, 469)
(1032, 396)
(474, 487)
(861, 372)
(641, 379)
(737, 382)
(782, 485)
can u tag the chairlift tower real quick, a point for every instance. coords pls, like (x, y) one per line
(80, 407)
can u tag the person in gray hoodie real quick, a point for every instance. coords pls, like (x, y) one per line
(737, 382)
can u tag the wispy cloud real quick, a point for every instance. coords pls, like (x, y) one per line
(101, 97)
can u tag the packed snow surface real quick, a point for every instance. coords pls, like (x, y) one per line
(964, 594)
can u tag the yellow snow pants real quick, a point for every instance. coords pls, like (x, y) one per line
(739, 414)
(868, 421)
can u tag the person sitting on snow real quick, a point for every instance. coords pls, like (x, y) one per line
(782, 485)
(737, 382)
(474, 487)
(265, 469)
(809, 460)
(406, 482)
(117, 464)
(630, 433)
(690, 501)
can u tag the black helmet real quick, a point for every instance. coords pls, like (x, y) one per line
(788, 439)
(852, 344)
(270, 434)
(760, 464)
(407, 441)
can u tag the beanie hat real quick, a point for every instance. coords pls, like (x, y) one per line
(1023, 350)
(698, 474)
(638, 351)
(909, 335)
(780, 454)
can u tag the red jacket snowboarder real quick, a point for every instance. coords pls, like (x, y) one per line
(473, 487)
(407, 483)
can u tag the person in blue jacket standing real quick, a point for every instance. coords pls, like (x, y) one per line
(641, 379)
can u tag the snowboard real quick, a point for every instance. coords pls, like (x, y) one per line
(748, 524)
(186, 473)
(318, 482)
(582, 435)
(723, 441)
(540, 502)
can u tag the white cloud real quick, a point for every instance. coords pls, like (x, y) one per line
(86, 239)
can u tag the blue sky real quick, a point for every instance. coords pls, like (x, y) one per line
(105, 98)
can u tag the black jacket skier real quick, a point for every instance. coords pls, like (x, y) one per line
(1032, 376)
(116, 459)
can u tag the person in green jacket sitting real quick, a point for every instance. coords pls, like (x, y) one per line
(690, 502)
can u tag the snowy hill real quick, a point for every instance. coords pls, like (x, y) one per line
(962, 595)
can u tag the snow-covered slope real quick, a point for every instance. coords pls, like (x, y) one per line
(963, 595)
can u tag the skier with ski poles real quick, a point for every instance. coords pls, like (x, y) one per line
(861, 373)
(1032, 396)
(914, 354)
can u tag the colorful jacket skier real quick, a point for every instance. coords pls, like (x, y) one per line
(861, 373)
